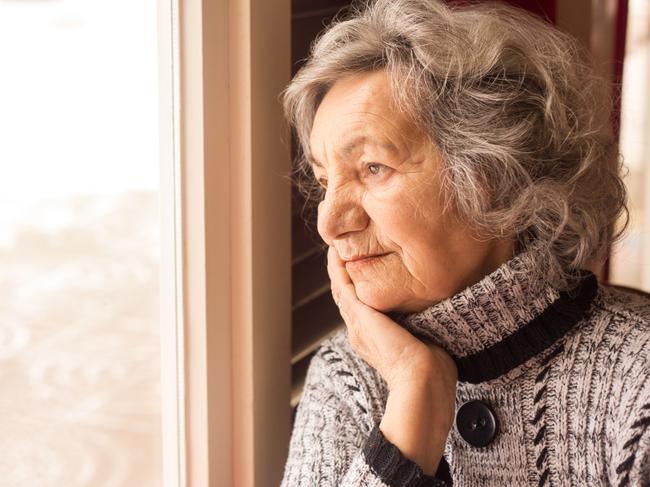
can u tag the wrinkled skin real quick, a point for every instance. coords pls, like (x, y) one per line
(381, 201)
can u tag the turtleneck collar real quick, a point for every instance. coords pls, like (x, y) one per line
(501, 321)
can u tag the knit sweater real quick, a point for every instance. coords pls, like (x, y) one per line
(553, 390)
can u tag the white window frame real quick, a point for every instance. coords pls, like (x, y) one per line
(226, 241)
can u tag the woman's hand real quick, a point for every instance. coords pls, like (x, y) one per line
(421, 378)
(398, 356)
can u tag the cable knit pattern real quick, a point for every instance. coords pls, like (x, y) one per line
(487, 312)
(573, 410)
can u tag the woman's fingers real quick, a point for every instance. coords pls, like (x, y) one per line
(335, 263)
(336, 269)
(342, 287)
(371, 333)
(345, 294)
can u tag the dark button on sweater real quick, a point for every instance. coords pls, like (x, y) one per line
(476, 423)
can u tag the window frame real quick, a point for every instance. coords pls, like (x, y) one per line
(171, 270)
(225, 210)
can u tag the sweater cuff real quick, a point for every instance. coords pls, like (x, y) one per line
(389, 464)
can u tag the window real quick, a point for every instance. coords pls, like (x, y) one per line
(630, 263)
(80, 244)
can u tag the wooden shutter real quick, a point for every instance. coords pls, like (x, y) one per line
(314, 314)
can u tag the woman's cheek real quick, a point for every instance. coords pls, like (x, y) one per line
(381, 202)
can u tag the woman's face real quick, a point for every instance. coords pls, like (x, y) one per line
(383, 199)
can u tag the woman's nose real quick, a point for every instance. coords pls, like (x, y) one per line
(339, 213)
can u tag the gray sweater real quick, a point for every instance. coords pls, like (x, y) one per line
(553, 389)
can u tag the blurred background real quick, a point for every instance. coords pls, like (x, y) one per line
(80, 401)
(630, 260)
(79, 244)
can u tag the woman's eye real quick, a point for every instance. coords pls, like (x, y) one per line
(374, 168)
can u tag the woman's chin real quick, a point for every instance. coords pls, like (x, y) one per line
(390, 299)
(383, 300)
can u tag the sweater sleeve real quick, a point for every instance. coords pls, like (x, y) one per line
(333, 444)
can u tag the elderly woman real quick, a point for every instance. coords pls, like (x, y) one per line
(467, 180)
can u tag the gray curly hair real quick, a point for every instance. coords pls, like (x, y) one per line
(513, 105)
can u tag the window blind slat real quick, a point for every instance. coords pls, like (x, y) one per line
(304, 243)
(312, 323)
(309, 279)
(314, 7)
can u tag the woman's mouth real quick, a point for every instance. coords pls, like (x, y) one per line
(364, 261)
